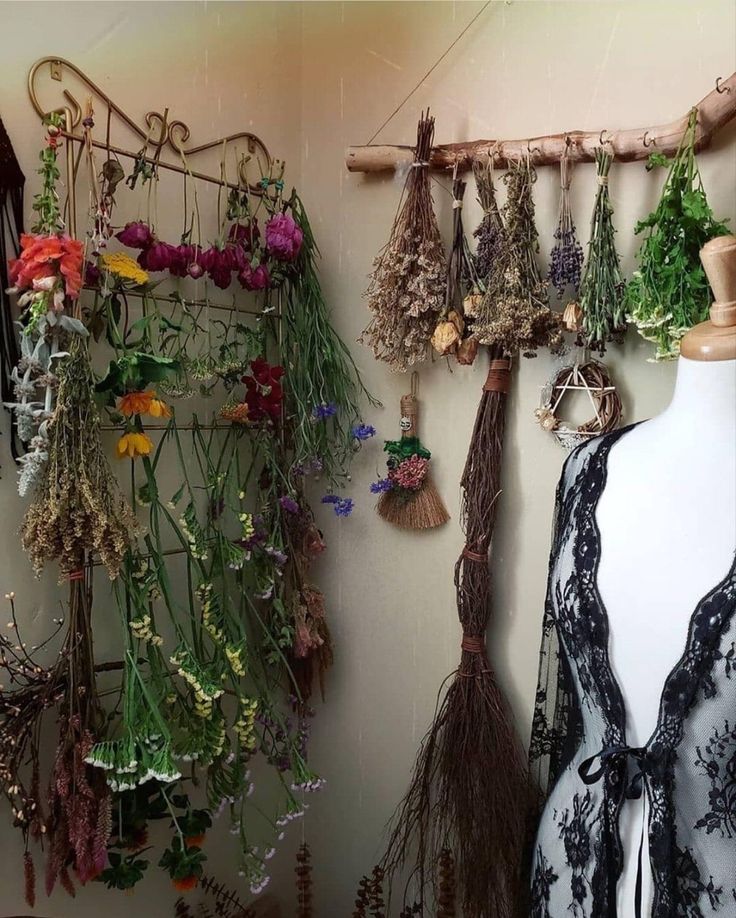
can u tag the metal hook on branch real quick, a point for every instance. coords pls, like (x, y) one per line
(721, 89)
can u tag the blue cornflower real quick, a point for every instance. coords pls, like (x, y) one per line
(381, 486)
(330, 499)
(324, 411)
(364, 431)
(344, 507)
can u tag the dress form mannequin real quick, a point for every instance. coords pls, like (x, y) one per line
(667, 519)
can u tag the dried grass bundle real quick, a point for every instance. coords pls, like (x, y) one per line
(78, 507)
(470, 788)
(514, 313)
(406, 292)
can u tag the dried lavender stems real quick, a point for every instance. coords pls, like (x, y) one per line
(602, 287)
(566, 258)
(406, 293)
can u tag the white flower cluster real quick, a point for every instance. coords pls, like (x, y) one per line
(236, 659)
(141, 629)
(244, 726)
(128, 764)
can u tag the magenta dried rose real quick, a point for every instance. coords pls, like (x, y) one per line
(283, 237)
(244, 234)
(136, 235)
(254, 278)
(158, 257)
(218, 264)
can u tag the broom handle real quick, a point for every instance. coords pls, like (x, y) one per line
(410, 410)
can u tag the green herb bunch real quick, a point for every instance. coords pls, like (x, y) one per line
(669, 293)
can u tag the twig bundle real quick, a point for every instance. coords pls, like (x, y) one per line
(78, 507)
(514, 313)
(470, 788)
(407, 286)
(603, 317)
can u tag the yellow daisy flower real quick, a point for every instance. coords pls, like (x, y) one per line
(124, 267)
(134, 444)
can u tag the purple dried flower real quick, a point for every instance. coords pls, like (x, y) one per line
(344, 506)
(324, 411)
(381, 486)
(364, 431)
(91, 274)
(279, 557)
(283, 237)
(136, 235)
(289, 504)
(330, 499)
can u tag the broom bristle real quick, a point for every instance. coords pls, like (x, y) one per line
(425, 508)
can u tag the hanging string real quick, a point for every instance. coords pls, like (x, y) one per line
(430, 71)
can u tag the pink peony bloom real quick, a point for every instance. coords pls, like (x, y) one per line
(136, 235)
(283, 237)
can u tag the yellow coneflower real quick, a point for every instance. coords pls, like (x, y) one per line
(124, 267)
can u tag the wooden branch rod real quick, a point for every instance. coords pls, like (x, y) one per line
(714, 111)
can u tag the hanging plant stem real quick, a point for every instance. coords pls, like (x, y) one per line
(566, 258)
(669, 293)
(601, 302)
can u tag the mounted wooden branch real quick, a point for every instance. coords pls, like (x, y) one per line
(714, 111)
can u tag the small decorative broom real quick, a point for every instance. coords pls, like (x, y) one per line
(409, 498)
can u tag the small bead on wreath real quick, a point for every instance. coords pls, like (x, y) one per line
(589, 376)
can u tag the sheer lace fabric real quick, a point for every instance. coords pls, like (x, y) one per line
(579, 753)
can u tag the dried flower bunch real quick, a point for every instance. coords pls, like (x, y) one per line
(406, 293)
(490, 231)
(514, 312)
(78, 507)
(566, 258)
(452, 336)
(669, 293)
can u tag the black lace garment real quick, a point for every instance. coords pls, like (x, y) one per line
(579, 752)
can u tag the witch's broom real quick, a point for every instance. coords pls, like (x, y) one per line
(409, 498)
(470, 789)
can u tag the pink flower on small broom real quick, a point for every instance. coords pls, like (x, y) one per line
(410, 473)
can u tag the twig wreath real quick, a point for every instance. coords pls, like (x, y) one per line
(589, 376)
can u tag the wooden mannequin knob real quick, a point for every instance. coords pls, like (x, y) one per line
(719, 260)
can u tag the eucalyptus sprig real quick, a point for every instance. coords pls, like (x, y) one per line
(669, 293)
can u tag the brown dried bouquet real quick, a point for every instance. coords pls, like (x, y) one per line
(406, 293)
(78, 507)
(514, 312)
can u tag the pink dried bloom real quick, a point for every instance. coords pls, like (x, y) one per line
(283, 237)
(410, 473)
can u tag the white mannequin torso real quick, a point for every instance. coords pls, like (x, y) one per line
(667, 519)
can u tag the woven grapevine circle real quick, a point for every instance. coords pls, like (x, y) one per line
(593, 378)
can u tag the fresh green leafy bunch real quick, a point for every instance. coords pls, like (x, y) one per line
(669, 293)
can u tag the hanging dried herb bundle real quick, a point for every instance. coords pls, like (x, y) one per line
(566, 258)
(514, 312)
(490, 231)
(78, 507)
(601, 302)
(470, 788)
(670, 293)
(406, 292)
(304, 882)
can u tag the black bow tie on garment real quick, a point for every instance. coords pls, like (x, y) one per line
(614, 761)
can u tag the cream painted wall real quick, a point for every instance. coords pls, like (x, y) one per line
(312, 78)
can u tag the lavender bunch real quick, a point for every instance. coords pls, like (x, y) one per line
(566, 258)
(490, 231)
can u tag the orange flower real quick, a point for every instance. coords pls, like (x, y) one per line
(143, 403)
(194, 841)
(134, 444)
(48, 256)
(238, 413)
(186, 883)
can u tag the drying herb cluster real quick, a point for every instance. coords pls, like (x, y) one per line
(514, 312)
(406, 294)
(566, 258)
(669, 292)
(602, 317)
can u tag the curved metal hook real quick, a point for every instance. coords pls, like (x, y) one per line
(719, 88)
(648, 143)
